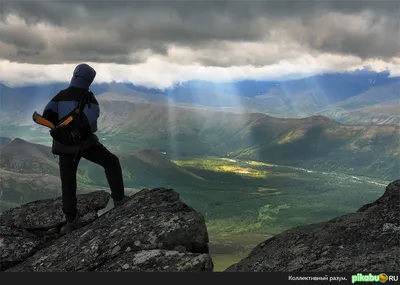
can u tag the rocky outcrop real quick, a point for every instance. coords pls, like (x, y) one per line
(153, 231)
(30, 227)
(364, 241)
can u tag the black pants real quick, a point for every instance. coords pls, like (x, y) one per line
(68, 170)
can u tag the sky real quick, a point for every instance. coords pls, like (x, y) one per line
(159, 43)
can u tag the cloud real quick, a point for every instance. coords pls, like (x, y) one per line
(158, 43)
(209, 33)
(159, 73)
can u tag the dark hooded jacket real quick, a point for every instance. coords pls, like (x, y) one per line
(67, 100)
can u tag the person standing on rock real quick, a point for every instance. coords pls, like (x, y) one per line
(75, 112)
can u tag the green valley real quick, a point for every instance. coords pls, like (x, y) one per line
(249, 174)
(246, 201)
(316, 143)
(243, 201)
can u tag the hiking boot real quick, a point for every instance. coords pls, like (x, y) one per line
(121, 201)
(71, 226)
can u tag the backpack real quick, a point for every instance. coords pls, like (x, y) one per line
(73, 129)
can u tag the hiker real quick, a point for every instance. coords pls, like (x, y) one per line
(78, 140)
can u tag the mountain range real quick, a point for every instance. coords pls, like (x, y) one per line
(315, 142)
(348, 97)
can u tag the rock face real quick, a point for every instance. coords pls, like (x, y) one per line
(27, 229)
(367, 240)
(153, 231)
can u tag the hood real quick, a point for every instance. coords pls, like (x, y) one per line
(83, 76)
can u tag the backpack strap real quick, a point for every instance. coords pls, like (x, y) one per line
(82, 103)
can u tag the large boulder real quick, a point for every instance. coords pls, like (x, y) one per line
(26, 229)
(153, 231)
(364, 241)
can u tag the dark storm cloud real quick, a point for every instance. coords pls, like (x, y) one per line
(21, 37)
(130, 31)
